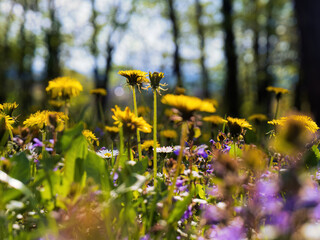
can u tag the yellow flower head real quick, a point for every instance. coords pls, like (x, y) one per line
(169, 133)
(112, 129)
(146, 145)
(64, 87)
(278, 91)
(6, 121)
(134, 77)
(236, 126)
(46, 118)
(56, 103)
(293, 134)
(98, 91)
(187, 104)
(213, 101)
(258, 118)
(8, 108)
(91, 138)
(129, 121)
(214, 119)
(155, 79)
(180, 91)
(302, 120)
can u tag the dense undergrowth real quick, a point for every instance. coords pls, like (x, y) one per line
(59, 181)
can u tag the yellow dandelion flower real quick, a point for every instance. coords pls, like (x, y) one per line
(302, 120)
(169, 133)
(46, 118)
(6, 121)
(129, 121)
(179, 91)
(213, 101)
(148, 144)
(258, 118)
(134, 77)
(155, 79)
(91, 138)
(187, 104)
(236, 126)
(112, 129)
(56, 103)
(278, 91)
(214, 119)
(8, 108)
(64, 87)
(98, 91)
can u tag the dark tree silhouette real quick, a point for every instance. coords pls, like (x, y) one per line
(176, 35)
(308, 17)
(53, 42)
(201, 34)
(231, 94)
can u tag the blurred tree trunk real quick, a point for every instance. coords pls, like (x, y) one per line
(176, 34)
(264, 77)
(231, 94)
(201, 35)
(308, 18)
(95, 53)
(5, 58)
(53, 42)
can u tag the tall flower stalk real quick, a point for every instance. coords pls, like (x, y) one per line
(278, 92)
(135, 109)
(135, 78)
(156, 86)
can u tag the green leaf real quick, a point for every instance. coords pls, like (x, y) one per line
(312, 157)
(74, 160)
(180, 207)
(14, 183)
(200, 192)
(141, 166)
(238, 151)
(95, 168)
(68, 137)
(20, 167)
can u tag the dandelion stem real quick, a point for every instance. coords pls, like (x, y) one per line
(66, 112)
(117, 163)
(154, 137)
(136, 113)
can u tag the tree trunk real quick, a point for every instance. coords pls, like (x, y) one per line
(176, 34)
(231, 94)
(264, 76)
(53, 42)
(201, 35)
(5, 57)
(308, 18)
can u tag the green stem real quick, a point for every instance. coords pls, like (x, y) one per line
(43, 140)
(277, 109)
(234, 149)
(66, 112)
(184, 130)
(112, 160)
(116, 165)
(136, 113)
(155, 168)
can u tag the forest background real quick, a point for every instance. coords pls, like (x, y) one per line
(222, 49)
